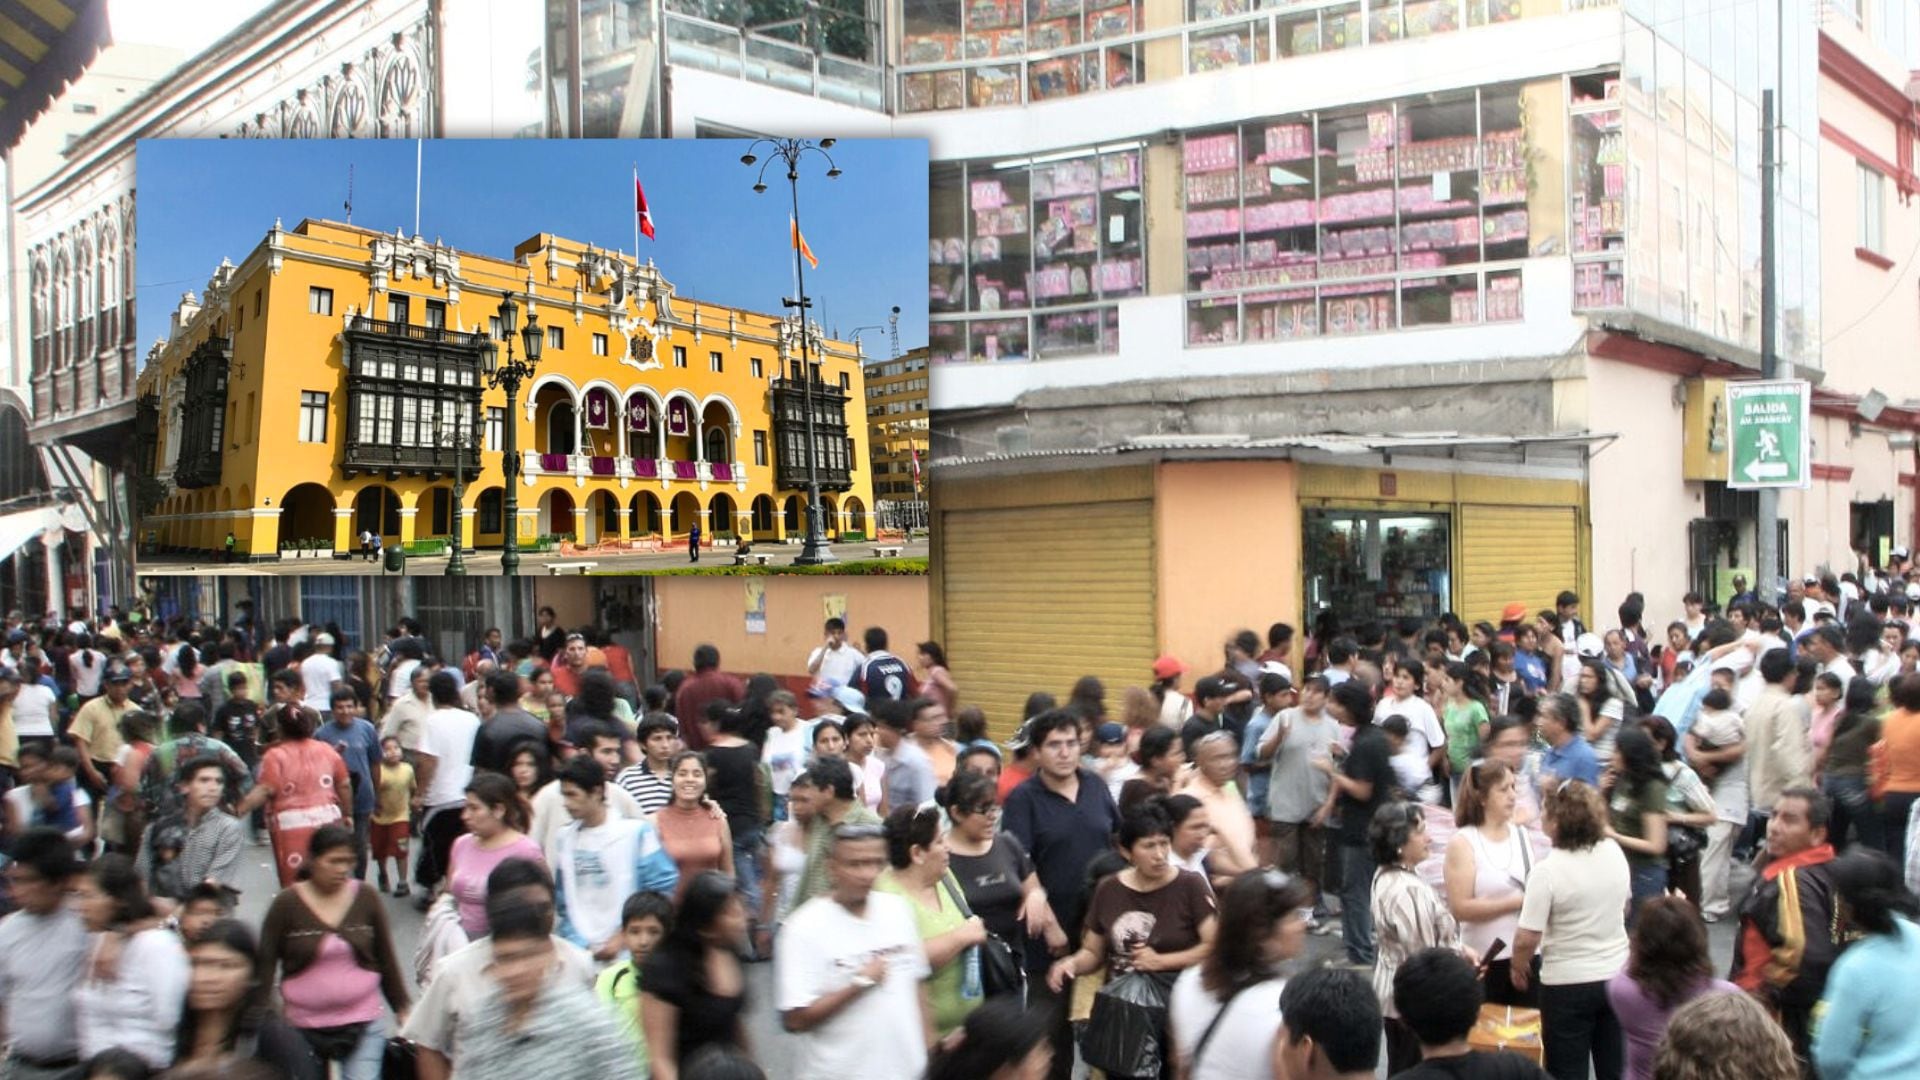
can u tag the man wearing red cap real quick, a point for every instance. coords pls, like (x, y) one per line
(1175, 709)
(1511, 617)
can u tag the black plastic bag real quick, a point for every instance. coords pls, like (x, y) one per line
(1126, 1035)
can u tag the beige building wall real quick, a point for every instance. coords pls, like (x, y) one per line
(1639, 508)
(691, 611)
(1229, 555)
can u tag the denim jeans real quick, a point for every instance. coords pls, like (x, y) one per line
(749, 849)
(1577, 1024)
(367, 1058)
(1356, 902)
(1853, 805)
(1648, 882)
(368, 1055)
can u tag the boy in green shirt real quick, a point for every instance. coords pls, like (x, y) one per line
(644, 921)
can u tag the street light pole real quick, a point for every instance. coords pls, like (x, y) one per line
(509, 375)
(814, 550)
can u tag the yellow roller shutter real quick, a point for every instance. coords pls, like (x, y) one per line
(1036, 596)
(1508, 553)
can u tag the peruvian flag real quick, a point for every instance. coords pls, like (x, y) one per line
(640, 208)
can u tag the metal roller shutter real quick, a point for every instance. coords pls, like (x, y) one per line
(1037, 596)
(1508, 553)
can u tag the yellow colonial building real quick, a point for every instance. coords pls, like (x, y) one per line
(333, 382)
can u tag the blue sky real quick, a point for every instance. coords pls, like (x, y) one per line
(202, 200)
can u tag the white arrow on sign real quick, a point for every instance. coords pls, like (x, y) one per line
(1772, 470)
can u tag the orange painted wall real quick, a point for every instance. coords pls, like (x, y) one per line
(711, 610)
(1229, 554)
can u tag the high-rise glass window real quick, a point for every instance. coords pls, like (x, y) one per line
(1054, 236)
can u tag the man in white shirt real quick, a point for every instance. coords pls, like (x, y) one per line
(851, 971)
(457, 983)
(43, 960)
(599, 860)
(406, 720)
(834, 662)
(550, 814)
(443, 766)
(318, 672)
(1827, 647)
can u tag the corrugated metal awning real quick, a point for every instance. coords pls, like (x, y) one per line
(1333, 443)
(44, 45)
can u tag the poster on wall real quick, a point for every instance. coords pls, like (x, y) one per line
(836, 606)
(756, 606)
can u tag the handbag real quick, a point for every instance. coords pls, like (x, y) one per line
(1000, 969)
(1685, 842)
(400, 1061)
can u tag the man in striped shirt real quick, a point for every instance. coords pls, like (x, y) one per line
(200, 844)
(649, 780)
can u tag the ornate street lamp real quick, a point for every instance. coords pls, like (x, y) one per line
(814, 551)
(457, 562)
(509, 374)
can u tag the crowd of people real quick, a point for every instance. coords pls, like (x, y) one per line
(1517, 815)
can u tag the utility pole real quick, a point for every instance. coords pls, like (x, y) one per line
(1767, 525)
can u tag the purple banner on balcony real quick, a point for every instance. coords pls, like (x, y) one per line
(723, 472)
(639, 414)
(685, 470)
(599, 409)
(553, 463)
(679, 416)
(601, 466)
(646, 468)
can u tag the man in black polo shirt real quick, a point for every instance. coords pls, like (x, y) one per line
(508, 729)
(1361, 784)
(1210, 697)
(1064, 816)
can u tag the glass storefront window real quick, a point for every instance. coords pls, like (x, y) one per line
(957, 31)
(1596, 197)
(1314, 219)
(1056, 235)
(1364, 565)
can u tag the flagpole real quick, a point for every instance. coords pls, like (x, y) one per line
(418, 149)
(636, 217)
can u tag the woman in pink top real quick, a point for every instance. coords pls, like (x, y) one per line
(936, 681)
(1824, 705)
(328, 941)
(496, 818)
(186, 676)
(695, 837)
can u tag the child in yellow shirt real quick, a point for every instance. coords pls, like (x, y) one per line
(392, 815)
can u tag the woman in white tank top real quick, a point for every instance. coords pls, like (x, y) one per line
(1488, 861)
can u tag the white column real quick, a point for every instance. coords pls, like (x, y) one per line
(56, 599)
